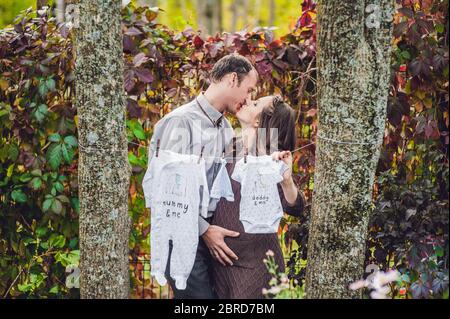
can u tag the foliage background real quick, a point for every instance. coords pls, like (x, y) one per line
(165, 68)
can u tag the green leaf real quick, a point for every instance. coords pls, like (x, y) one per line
(24, 287)
(54, 156)
(36, 172)
(19, 196)
(36, 183)
(71, 140)
(47, 204)
(54, 290)
(42, 88)
(439, 251)
(57, 241)
(138, 131)
(41, 231)
(25, 178)
(67, 154)
(57, 206)
(75, 204)
(59, 187)
(440, 28)
(63, 198)
(40, 112)
(13, 152)
(50, 83)
(54, 137)
(406, 55)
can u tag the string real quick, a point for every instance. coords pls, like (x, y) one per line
(232, 157)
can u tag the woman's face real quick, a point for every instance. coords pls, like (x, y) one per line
(249, 114)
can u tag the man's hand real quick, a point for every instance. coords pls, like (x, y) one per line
(214, 239)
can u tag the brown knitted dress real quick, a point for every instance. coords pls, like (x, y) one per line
(248, 275)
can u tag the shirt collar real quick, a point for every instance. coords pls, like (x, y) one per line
(212, 112)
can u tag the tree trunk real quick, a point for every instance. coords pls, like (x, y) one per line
(60, 8)
(272, 13)
(234, 15)
(41, 3)
(217, 16)
(200, 8)
(103, 170)
(353, 59)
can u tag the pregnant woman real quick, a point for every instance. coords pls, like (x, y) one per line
(248, 275)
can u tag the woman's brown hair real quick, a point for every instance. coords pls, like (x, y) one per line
(281, 116)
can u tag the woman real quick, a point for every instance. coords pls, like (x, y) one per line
(248, 275)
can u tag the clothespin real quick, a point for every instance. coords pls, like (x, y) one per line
(245, 154)
(201, 155)
(158, 142)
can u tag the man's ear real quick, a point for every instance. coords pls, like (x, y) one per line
(232, 79)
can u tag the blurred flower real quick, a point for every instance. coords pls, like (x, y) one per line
(270, 253)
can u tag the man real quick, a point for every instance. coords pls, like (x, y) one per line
(201, 123)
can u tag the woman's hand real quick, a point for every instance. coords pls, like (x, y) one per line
(289, 188)
(286, 157)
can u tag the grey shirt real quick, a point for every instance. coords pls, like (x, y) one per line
(186, 130)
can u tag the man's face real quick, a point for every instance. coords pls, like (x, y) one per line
(240, 94)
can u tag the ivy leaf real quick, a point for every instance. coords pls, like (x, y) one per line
(36, 183)
(41, 231)
(56, 207)
(59, 187)
(54, 138)
(75, 204)
(47, 204)
(67, 154)
(50, 84)
(138, 131)
(54, 156)
(71, 140)
(19, 196)
(57, 241)
(40, 112)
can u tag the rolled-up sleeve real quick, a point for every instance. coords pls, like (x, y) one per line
(295, 209)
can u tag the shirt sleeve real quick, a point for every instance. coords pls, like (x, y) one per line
(174, 135)
(201, 173)
(238, 172)
(297, 208)
(222, 185)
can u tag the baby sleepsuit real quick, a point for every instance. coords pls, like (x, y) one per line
(176, 190)
(260, 207)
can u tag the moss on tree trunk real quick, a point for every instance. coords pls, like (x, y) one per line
(353, 58)
(103, 170)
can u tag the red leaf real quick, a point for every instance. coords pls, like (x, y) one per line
(139, 59)
(198, 42)
(145, 75)
(128, 79)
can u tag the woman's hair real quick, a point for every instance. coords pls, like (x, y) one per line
(281, 116)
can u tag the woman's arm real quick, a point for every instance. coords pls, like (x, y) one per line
(295, 208)
(292, 199)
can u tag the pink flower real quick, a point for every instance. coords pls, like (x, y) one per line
(270, 253)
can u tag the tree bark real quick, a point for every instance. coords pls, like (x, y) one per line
(353, 59)
(272, 13)
(41, 3)
(103, 170)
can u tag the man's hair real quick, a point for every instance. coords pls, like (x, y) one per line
(229, 64)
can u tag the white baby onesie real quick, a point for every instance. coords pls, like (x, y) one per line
(260, 209)
(172, 186)
(222, 184)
